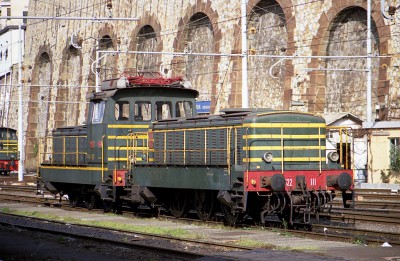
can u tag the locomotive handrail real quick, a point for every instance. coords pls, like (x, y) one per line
(228, 149)
(205, 147)
(319, 150)
(184, 147)
(343, 130)
(282, 151)
(133, 147)
(246, 171)
(63, 153)
(129, 147)
(102, 158)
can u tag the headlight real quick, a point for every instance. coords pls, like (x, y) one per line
(333, 156)
(267, 157)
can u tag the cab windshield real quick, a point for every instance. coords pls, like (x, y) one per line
(98, 112)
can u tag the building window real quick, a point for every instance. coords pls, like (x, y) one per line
(8, 13)
(394, 154)
(24, 13)
(6, 55)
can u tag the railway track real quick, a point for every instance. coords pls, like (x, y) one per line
(346, 230)
(177, 249)
(315, 231)
(363, 215)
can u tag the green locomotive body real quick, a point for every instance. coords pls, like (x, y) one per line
(144, 144)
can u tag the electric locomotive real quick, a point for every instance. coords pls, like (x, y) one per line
(145, 145)
(8, 150)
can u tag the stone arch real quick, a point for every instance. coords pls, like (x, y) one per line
(68, 91)
(268, 24)
(199, 33)
(147, 41)
(279, 11)
(38, 106)
(108, 61)
(107, 41)
(145, 37)
(319, 95)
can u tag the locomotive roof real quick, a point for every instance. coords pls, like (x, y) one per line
(142, 85)
(7, 129)
(243, 114)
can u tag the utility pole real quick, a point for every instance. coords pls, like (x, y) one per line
(369, 66)
(21, 148)
(245, 88)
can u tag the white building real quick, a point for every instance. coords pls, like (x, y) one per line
(346, 129)
(13, 8)
(10, 49)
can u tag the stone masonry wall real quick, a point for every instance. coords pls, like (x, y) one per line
(58, 74)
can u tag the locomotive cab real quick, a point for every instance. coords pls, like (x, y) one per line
(80, 161)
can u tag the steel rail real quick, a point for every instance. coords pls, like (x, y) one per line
(84, 236)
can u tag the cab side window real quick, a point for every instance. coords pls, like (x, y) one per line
(163, 110)
(142, 111)
(184, 109)
(121, 110)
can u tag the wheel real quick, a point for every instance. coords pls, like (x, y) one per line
(91, 201)
(107, 205)
(204, 203)
(230, 217)
(73, 199)
(179, 204)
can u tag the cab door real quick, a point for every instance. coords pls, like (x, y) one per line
(96, 132)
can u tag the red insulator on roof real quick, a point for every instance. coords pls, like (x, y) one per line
(141, 80)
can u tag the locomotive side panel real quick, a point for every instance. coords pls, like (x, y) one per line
(191, 158)
(296, 144)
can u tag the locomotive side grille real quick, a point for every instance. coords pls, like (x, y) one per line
(174, 148)
(198, 146)
(69, 147)
(238, 146)
(159, 140)
(195, 147)
(216, 147)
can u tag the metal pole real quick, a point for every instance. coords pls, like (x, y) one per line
(369, 66)
(20, 122)
(245, 89)
(97, 70)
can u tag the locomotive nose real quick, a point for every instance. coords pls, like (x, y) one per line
(343, 181)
